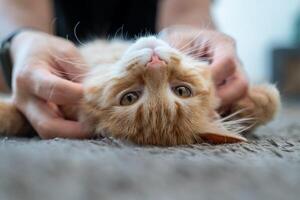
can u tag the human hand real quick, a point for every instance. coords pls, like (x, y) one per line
(220, 51)
(44, 77)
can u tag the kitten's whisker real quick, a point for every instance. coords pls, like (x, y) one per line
(197, 139)
(231, 115)
(68, 73)
(202, 54)
(233, 128)
(202, 42)
(199, 47)
(201, 50)
(192, 51)
(246, 128)
(75, 64)
(223, 49)
(79, 76)
(52, 25)
(195, 48)
(117, 35)
(239, 121)
(75, 76)
(237, 126)
(52, 87)
(75, 34)
(191, 41)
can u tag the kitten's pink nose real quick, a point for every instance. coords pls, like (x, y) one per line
(155, 62)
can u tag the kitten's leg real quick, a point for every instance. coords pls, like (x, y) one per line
(261, 104)
(12, 122)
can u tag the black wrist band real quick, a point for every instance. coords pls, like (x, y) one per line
(5, 57)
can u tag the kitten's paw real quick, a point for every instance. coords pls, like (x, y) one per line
(261, 103)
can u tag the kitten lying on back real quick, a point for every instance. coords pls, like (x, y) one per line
(152, 94)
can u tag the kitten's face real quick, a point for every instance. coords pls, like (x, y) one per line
(154, 95)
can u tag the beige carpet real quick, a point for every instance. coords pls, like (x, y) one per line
(268, 167)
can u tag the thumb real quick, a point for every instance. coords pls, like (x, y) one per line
(222, 69)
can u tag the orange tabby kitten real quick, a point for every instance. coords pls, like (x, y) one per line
(152, 94)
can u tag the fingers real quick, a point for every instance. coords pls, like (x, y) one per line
(46, 117)
(230, 80)
(49, 87)
(61, 128)
(222, 69)
(40, 62)
(227, 74)
(224, 61)
(234, 89)
(71, 62)
(48, 124)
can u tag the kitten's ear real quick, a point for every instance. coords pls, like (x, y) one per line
(221, 138)
(217, 134)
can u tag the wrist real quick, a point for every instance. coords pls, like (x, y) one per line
(6, 58)
(23, 37)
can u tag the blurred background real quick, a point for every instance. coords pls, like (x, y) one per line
(268, 39)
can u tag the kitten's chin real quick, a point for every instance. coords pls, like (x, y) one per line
(147, 43)
(144, 49)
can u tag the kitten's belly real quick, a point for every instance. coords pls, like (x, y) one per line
(103, 51)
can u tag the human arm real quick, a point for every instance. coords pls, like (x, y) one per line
(188, 12)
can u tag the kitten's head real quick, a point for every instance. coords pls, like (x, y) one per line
(154, 95)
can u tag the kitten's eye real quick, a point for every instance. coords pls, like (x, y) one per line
(129, 98)
(182, 91)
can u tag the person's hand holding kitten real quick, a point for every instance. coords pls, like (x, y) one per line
(218, 49)
(46, 69)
